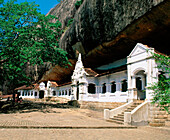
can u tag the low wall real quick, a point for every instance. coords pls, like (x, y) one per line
(50, 99)
(100, 106)
(107, 97)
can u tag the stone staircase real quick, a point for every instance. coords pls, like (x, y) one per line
(119, 119)
(158, 116)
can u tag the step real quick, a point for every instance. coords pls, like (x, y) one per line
(134, 106)
(128, 110)
(115, 121)
(160, 117)
(157, 124)
(119, 117)
(131, 108)
(158, 120)
(158, 112)
(122, 115)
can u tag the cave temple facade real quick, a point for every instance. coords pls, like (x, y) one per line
(110, 86)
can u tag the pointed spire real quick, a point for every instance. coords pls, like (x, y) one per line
(79, 58)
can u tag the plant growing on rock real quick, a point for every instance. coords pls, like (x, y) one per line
(78, 3)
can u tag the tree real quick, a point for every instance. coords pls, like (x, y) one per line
(161, 89)
(27, 37)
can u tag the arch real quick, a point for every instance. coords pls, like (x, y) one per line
(41, 94)
(54, 93)
(35, 94)
(124, 85)
(104, 88)
(113, 87)
(69, 92)
(77, 94)
(92, 88)
(138, 70)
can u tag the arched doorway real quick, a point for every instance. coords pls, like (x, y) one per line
(124, 85)
(113, 87)
(41, 94)
(77, 95)
(140, 84)
(91, 88)
(104, 88)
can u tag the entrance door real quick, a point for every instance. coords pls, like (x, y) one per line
(41, 94)
(78, 91)
(140, 93)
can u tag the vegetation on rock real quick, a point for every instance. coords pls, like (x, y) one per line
(78, 3)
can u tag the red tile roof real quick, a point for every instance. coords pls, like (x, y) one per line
(91, 72)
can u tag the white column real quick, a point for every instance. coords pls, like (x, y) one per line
(143, 82)
(97, 88)
(133, 81)
(108, 88)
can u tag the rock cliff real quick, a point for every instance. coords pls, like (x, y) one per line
(107, 30)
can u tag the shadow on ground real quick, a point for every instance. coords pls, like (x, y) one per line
(8, 107)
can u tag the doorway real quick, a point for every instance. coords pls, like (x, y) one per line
(140, 85)
(41, 94)
(77, 91)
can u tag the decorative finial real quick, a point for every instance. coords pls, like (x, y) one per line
(79, 58)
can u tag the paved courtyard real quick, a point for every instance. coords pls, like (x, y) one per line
(74, 117)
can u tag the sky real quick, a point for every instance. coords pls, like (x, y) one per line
(44, 5)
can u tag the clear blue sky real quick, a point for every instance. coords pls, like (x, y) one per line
(44, 5)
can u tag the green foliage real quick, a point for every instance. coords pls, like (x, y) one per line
(70, 22)
(78, 3)
(27, 37)
(161, 89)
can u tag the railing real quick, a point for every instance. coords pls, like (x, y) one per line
(111, 113)
(138, 116)
(106, 97)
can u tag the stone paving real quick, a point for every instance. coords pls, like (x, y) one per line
(72, 117)
(57, 118)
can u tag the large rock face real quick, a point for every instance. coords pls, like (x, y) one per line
(107, 30)
(97, 21)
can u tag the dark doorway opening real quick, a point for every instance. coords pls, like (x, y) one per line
(41, 94)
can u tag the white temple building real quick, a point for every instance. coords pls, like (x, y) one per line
(112, 86)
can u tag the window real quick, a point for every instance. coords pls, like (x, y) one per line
(31, 93)
(113, 87)
(28, 93)
(22, 93)
(35, 93)
(104, 88)
(69, 92)
(124, 85)
(54, 93)
(92, 88)
(59, 93)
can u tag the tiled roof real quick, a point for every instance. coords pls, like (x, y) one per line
(54, 84)
(64, 84)
(91, 72)
(25, 87)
